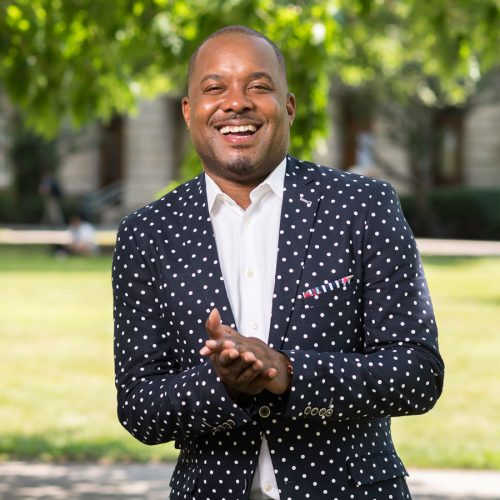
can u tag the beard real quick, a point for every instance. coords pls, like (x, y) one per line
(239, 166)
(237, 169)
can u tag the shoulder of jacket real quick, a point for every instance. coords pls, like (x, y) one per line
(342, 178)
(166, 206)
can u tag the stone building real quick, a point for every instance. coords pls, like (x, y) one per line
(122, 166)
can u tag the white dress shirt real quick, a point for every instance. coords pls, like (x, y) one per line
(247, 245)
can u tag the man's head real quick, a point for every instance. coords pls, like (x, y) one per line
(238, 107)
(235, 30)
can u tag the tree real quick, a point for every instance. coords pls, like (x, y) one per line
(79, 60)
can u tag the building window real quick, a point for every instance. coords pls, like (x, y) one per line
(356, 124)
(448, 161)
(111, 152)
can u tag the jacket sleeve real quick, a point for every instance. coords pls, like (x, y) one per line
(157, 401)
(400, 371)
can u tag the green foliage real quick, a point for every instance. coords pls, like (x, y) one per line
(20, 210)
(32, 155)
(469, 213)
(81, 60)
(462, 213)
(190, 168)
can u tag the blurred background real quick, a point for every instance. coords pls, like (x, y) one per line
(91, 126)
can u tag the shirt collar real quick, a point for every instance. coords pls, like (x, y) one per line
(275, 181)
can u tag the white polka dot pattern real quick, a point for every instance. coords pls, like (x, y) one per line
(361, 353)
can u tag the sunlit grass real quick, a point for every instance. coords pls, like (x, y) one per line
(463, 430)
(57, 398)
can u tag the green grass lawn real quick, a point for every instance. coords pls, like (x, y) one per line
(57, 398)
(463, 430)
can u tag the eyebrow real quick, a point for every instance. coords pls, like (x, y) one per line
(252, 76)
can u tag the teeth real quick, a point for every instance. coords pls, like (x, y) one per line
(240, 128)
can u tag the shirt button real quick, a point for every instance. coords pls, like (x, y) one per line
(267, 487)
(264, 411)
(255, 325)
(250, 273)
(247, 219)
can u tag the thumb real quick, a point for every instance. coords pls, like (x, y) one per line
(213, 324)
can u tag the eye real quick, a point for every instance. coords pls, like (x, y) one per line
(261, 87)
(213, 89)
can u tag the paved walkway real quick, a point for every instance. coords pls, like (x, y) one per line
(34, 481)
(429, 246)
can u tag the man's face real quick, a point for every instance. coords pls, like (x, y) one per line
(238, 109)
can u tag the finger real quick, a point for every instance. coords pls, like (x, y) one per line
(231, 370)
(247, 376)
(228, 356)
(211, 347)
(248, 356)
(271, 373)
(228, 344)
(206, 351)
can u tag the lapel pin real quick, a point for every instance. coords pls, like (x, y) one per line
(307, 202)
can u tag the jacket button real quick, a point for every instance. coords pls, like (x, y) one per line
(264, 411)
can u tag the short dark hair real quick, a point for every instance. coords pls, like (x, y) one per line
(244, 30)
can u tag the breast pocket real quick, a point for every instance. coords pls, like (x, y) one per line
(330, 295)
(330, 321)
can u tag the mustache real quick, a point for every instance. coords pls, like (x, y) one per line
(248, 117)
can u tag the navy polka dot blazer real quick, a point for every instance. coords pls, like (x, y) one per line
(364, 348)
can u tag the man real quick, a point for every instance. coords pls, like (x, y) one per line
(271, 315)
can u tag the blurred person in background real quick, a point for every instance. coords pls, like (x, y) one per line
(82, 238)
(51, 193)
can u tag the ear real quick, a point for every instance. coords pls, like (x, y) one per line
(290, 107)
(186, 110)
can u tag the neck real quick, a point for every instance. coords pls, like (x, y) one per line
(238, 192)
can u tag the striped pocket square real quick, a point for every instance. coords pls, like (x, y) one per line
(328, 287)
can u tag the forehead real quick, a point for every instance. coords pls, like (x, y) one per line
(237, 55)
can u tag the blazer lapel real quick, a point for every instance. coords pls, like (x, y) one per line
(301, 198)
(200, 244)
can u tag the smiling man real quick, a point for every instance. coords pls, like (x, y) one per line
(239, 110)
(271, 315)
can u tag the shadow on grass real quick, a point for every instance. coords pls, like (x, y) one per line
(62, 447)
(453, 261)
(41, 258)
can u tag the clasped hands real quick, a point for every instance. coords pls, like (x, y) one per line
(244, 364)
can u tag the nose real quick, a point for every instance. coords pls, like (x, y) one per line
(237, 100)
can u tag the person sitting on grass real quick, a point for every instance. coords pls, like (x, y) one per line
(83, 240)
